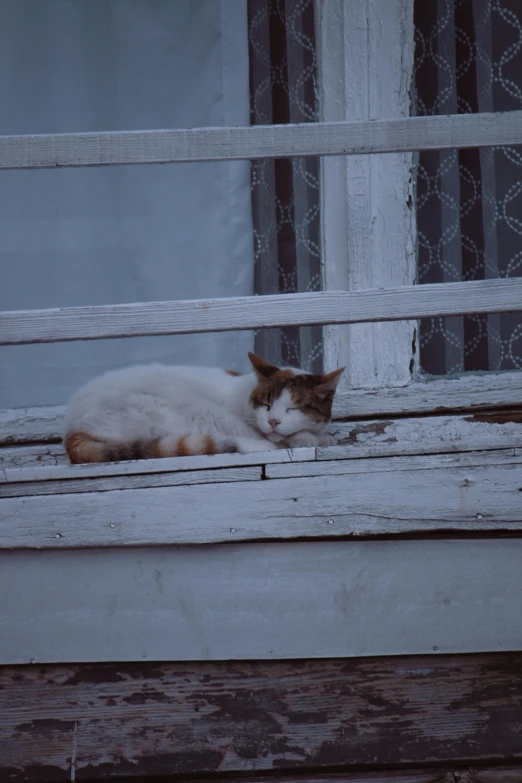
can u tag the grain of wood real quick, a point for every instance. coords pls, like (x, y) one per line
(467, 492)
(365, 54)
(41, 424)
(268, 141)
(138, 468)
(395, 465)
(146, 719)
(430, 435)
(33, 456)
(254, 312)
(468, 393)
(136, 481)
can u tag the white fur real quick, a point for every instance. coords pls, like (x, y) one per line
(155, 401)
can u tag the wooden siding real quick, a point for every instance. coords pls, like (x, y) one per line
(99, 722)
(258, 601)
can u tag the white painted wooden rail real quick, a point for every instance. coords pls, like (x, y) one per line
(268, 141)
(253, 312)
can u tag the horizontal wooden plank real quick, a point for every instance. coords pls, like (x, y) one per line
(256, 312)
(41, 424)
(423, 435)
(150, 466)
(395, 465)
(466, 492)
(132, 481)
(434, 395)
(261, 600)
(268, 141)
(88, 722)
(35, 455)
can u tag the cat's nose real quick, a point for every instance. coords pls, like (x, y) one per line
(274, 422)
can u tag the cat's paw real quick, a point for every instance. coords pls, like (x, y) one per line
(326, 440)
(247, 445)
(302, 439)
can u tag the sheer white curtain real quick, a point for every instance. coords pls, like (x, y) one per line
(129, 233)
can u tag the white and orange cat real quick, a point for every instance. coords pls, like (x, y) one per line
(158, 411)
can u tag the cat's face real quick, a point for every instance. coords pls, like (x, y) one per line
(286, 401)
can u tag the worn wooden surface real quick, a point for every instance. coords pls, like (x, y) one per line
(267, 141)
(365, 55)
(468, 492)
(254, 312)
(150, 466)
(261, 601)
(36, 455)
(132, 481)
(144, 719)
(436, 395)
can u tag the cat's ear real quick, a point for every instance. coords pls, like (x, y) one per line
(261, 368)
(328, 383)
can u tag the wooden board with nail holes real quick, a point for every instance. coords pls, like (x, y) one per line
(88, 722)
(468, 492)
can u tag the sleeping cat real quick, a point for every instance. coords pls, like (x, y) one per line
(158, 411)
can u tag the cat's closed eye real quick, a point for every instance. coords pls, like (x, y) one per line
(308, 408)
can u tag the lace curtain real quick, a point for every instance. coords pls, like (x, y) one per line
(285, 192)
(468, 58)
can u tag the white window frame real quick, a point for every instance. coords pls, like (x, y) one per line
(366, 137)
(365, 54)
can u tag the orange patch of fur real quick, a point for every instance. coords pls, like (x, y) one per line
(82, 447)
(232, 372)
(182, 449)
(156, 451)
(210, 446)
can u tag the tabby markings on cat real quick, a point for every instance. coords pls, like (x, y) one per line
(159, 411)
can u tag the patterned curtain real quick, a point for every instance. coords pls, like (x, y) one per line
(285, 192)
(468, 58)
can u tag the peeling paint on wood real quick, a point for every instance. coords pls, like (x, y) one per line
(365, 53)
(150, 719)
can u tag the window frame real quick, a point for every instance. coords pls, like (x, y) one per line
(370, 77)
(366, 138)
